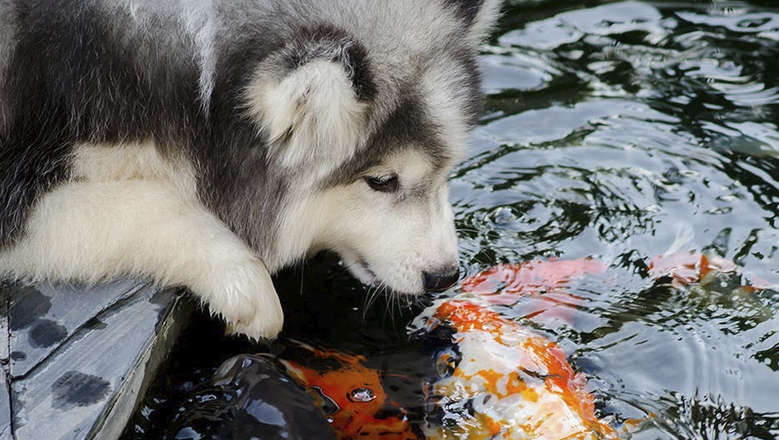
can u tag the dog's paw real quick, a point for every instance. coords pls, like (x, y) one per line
(260, 326)
(244, 296)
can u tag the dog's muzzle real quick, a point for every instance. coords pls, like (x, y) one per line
(442, 279)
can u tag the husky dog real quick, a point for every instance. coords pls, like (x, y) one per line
(209, 143)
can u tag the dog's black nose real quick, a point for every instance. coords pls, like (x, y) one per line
(441, 280)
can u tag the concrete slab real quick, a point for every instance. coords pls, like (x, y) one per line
(5, 408)
(76, 360)
(42, 318)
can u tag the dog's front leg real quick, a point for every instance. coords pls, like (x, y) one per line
(95, 230)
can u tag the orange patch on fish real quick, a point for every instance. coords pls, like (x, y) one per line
(363, 409)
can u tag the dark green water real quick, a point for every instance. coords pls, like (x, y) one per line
(615, 130)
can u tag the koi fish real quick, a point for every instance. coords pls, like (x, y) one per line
(699, 268)
(351, 396)
(500, 380)
(492, 377)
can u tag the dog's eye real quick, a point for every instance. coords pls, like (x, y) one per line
(386, 184)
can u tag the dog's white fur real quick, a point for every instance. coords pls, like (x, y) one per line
(123, 215)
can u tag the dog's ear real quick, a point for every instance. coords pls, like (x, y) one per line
(479, 16)
(312, 99)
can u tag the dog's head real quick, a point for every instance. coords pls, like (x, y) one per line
(368, 108)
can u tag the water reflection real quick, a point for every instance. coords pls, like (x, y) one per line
(636, 125)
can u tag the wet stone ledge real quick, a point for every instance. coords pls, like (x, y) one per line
(76, 360)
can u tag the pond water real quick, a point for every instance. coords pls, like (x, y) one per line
(612, 130)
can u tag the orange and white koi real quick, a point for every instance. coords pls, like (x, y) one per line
(503, 380)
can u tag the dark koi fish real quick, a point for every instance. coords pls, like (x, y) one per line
(250, 397)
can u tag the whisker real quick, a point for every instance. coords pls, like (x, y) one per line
(365, 305)
(373, 293)
(393, 306)
(387, 300)
(345, 269)
(302, 277)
